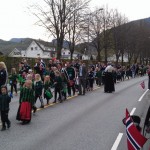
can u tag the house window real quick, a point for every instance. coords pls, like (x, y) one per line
(31, 48)
(36, 48)
(63, 53)
(69, 53)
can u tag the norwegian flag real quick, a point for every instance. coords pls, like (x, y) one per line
(135, 140)
(143, 85)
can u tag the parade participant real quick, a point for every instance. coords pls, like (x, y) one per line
(26, 66)
(22, 79)
(71, 74)
(82, 78)
(90, 77)
(109, 81)
(31, 73)
(47, 91)
(13, 80)
(64, 85)
(3, 74)
(57, 86)
(4, 108)
(50, 64)
(98, 76)
(26, 101)
(39, 67)
(38, 86)
(30, 77)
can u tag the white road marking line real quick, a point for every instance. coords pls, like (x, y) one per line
(143, 95)
(132, 112)
(116, 144)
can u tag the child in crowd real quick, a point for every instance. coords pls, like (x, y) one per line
(47, 92)
(91, 78)
(38, 87)
(58, 86)
(13, 81)
(26, 102)
(64, 85)
(4, 108)
(30, 77)
(98, 76)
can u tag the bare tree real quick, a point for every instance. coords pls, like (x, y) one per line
(95, 28)
(73, 32)
(118, 33)
(54, 16)
(107, 25)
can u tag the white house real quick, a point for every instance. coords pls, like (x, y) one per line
(65, 53)
(34, 50)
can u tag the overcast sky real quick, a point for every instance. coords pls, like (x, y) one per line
(15, 21)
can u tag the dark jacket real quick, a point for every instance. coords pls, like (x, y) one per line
(58, 82)
(84, 71)
(4, 102)
(71, 73)
(3, 76)
(38, 86)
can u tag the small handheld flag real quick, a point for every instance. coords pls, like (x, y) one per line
(143, 85)
(135, 140)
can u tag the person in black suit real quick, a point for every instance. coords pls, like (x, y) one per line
(82, 78)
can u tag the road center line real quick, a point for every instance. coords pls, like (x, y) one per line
(116, 144)
(132, 112)
(143, 95)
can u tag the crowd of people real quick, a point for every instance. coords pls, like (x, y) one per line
(59, 80)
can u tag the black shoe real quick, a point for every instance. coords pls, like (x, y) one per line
(54, 101)
(3, 129)
(9, 125)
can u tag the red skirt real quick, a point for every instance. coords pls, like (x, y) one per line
(24, 111)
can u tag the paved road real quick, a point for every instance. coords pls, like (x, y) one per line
(90, 122)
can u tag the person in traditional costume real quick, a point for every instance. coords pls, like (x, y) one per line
(98, 76)
(5, 99)
(13, 81)
(47, 91)
(30, 77)
(38, 87)
(26, 101)
(108, 79)
(57, 86)
(71, 75)
(64, 85)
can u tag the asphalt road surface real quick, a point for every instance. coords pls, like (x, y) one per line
(90, 122)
